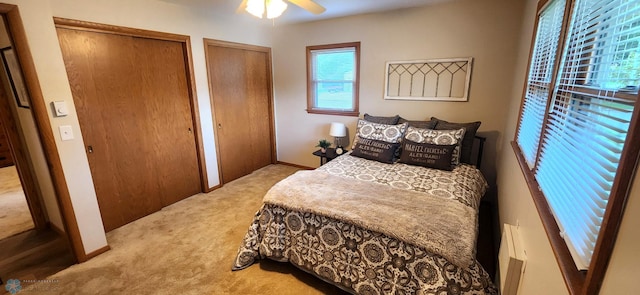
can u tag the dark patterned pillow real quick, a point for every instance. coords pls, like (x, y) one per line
(419, 124)
(382, 120)
(427, 154)
(467, 142)
(376, 150)
(440, 137)
(383, 132)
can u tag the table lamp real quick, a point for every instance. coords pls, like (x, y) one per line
(338, 130)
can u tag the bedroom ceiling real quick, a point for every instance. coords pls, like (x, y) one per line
(295, 14)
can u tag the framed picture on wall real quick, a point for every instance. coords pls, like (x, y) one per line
(11, 65)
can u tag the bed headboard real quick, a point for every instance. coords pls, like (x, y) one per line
(480, 144)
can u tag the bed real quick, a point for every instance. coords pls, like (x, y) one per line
(375, 226)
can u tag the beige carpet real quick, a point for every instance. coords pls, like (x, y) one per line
(15, 216)
(188, 248)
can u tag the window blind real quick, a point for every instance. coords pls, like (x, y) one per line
(539, 80)
(589, 118)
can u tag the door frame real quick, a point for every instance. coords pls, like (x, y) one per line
(39, 110)
(267, 50)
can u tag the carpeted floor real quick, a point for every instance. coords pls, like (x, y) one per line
(188, 248)
(15, 216)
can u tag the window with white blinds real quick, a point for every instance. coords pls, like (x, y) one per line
(539, 80)
(588, 118)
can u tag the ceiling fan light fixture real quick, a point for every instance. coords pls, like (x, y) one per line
(275, 8)
(255, 7)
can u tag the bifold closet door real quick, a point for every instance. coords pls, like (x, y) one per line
(133, 103)
(240, 82)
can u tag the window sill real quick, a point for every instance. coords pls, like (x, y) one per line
(334, 112)
(573, 278)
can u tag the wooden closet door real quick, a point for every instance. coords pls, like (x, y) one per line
(240, 82)
(133, 104)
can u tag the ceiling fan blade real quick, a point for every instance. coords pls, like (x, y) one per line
(309, 5)
(242, 6)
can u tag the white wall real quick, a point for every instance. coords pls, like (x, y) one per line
(624, 267)
(485, 30)
(542, 274)
(37, 16)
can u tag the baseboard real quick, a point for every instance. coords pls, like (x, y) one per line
(295, 165)
(96, 252)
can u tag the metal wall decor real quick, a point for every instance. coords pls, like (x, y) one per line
(434, 79)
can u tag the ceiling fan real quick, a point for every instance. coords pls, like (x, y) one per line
(274, 8)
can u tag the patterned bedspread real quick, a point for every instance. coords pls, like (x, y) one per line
(464, 184)
(365, 261)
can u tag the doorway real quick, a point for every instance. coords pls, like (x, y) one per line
(20, 198)
(32, 233)
(240, 84)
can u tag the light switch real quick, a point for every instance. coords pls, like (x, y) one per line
(66, 133)
(60, 108)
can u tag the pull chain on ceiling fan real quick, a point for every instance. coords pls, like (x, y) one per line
(275, 8)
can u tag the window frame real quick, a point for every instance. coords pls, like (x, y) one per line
(311, 107)
(590, 281)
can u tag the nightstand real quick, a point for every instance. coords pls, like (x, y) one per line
(328, 156)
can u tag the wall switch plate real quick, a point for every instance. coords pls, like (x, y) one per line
(60, 108)
(66, 132)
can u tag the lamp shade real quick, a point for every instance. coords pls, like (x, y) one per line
(338, 130)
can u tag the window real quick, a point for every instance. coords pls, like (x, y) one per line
(575, 138)
(539, 81)
(333, 79)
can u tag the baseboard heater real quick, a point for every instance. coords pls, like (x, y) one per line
(511, 260)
